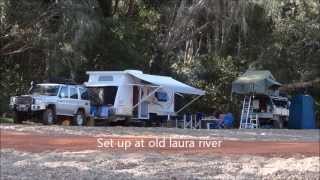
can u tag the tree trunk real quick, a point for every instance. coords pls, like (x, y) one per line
(115, 9)
(131, 8)
(106, 6)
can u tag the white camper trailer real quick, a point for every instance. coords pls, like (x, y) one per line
(133, 94)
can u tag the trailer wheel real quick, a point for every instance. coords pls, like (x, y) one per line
(278, 124)
(125, 122)
(79, 119)
(48, 116)
(18, 117)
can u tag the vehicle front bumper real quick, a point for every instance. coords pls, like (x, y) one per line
(28, 107)
(38, 107)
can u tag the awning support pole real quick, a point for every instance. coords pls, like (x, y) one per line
(144, 98)
(188, 104)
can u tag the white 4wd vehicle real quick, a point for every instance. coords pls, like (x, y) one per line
(48, 101)
(272, 109)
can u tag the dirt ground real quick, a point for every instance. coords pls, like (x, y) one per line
(60, 152)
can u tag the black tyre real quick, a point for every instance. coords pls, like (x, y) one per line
(148, 123)
(18, 117)
(127, 121)
(80, 118)
(278, 124)
(48, 116)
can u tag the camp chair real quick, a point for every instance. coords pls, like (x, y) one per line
(187, 119)
(213, 125)
(197, 120)
(217, 124)
(228, 120)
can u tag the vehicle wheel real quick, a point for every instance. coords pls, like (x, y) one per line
(48, 116)
(79, 119)
(18, 117)
(148, 123)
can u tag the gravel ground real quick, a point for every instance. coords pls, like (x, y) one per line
(223, 134)
(94, 164)
(101, 165)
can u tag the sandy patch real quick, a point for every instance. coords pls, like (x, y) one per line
(101, 165)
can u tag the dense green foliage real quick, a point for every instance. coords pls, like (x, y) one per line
(206, 43)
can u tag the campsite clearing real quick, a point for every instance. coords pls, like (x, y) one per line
(69, 152)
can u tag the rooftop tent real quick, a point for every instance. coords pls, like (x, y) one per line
(258, 82)
(166, 81)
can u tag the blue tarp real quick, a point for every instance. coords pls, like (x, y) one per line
(99, 111)
(302, 113)
(228, 120)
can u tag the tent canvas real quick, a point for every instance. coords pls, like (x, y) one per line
(258, 82)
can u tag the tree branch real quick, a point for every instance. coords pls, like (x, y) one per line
(300, 85)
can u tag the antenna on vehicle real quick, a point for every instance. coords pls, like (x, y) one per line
(32, 83)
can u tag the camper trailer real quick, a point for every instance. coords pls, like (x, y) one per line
(131, 94)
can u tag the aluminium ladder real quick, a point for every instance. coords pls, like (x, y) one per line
(254, 120)
(247, 111)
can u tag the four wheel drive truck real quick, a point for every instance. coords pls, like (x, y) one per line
(272, 110)
(45, 102)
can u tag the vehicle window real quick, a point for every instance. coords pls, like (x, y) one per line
(64, 92)
(103, 95)
(84, 94)
(279, 103)
(48, 90)
(105, 78)
(73, 93)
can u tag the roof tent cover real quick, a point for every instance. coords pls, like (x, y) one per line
(166, 81)
(259, 82)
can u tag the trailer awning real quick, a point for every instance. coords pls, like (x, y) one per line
(166, 81)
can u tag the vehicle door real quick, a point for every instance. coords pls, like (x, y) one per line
(144, 105)
(74, 100)
(63, 100)
(84, 99)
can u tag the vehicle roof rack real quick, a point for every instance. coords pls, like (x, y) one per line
(59, 80)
